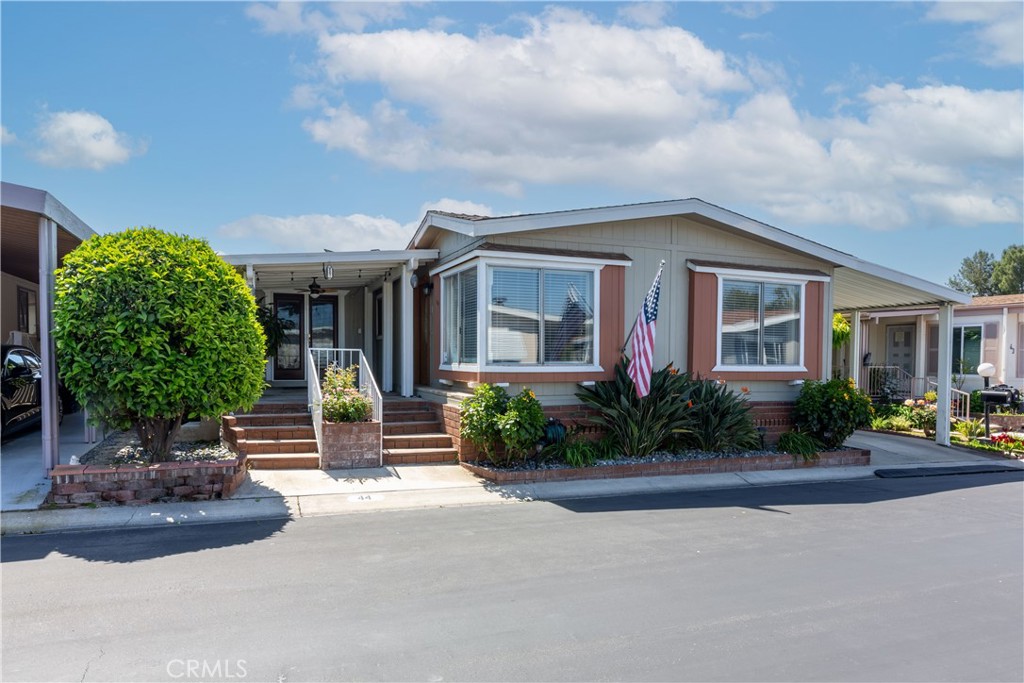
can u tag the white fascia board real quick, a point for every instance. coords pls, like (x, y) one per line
(335, 257)
(435, 220)
(45, 204)
(490, 256)
(682, 207)
(768, 275)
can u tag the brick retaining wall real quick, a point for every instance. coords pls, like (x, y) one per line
(846, 458)
(75, 485)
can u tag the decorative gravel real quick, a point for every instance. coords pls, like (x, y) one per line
(123, 448)
(654, 457)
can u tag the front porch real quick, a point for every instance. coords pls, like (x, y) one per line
(353, 300)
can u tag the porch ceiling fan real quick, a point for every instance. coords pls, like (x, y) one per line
(315, 289)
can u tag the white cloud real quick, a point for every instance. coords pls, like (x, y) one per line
(749, 10)
(354, 232)
(998, 39)
(571, 100)
(457, 206)
(298, 17)
(6, 136)
(644, 13)
(83, 139)
(316, 232)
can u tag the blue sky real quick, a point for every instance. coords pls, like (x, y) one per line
(892, 131)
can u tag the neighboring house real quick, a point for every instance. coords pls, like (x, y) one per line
(902, 346)
(547, 301)
(38, 231)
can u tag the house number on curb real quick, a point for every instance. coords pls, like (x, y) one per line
(363, 498)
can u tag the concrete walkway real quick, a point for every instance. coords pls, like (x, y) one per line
(291, 494)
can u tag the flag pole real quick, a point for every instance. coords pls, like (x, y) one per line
(622, 351)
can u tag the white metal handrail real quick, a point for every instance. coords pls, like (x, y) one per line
(888, 382)
(319, 360)
(959, 402)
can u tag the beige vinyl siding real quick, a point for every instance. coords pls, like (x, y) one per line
(674, 239)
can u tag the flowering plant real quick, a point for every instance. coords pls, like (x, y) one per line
(342, 401)
(1009, 442)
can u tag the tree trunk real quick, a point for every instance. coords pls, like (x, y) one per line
(157, 436)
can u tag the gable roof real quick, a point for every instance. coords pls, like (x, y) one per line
(857, 284)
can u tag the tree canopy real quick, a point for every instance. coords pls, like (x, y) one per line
(981, 274)
(153, 328)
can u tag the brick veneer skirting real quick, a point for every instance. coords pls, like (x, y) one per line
(347, 445)
(75, 485)
(775, 416)
(846, 458)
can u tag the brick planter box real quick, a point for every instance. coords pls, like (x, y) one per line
(348, 445)
(846, 458)
(76, 485)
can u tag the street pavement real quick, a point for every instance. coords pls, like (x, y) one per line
(867, 579)
(293, 494)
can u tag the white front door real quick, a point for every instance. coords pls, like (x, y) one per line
(899, 347)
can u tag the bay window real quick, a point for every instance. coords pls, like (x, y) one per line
(531, 316)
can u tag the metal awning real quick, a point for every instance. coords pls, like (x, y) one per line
(348, 270)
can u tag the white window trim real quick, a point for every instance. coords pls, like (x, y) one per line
(981, 341)
(763, 278)
(444, 321)
(520, 261)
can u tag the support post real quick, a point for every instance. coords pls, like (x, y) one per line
(945, 379)
(856, 365)
(47, 347)
(387, 326)
(406, 329)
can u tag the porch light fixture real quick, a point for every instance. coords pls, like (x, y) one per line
(328, 271)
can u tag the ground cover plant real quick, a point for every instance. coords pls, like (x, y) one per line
(153, 328)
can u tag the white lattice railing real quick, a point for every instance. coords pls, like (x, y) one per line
(320, 360)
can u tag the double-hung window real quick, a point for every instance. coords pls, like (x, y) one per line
(966, 349)
(760, 323)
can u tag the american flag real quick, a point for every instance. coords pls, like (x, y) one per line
(642, 362)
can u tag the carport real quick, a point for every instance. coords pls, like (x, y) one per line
(38, 232)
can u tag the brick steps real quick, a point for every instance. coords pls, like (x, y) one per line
(421, 456)
(414, 435)
(274, 436)
(402, 428)
(285, 461)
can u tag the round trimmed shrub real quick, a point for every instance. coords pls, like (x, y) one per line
(154, 328)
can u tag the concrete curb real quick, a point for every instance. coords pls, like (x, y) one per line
(326, 504)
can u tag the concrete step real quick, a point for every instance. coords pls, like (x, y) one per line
(285, 461)
(414, 427)
(279, 432)
(424, 440)
(420, 456)
(272, 419)
(278, 446)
